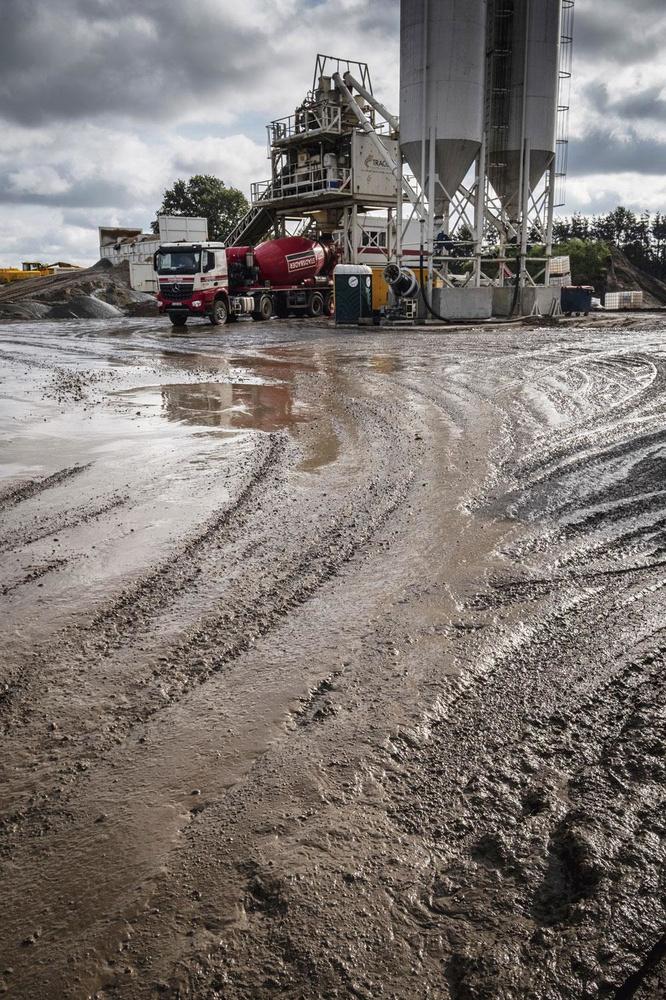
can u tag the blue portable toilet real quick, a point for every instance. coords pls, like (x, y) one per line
(353, 292)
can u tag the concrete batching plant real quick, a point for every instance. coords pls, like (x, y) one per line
(330, 161)
(465, 179)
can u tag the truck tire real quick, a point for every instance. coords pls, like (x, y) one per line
(328, 304)
(220, 313)
(265, 310)
(178, 319)
(316, 305)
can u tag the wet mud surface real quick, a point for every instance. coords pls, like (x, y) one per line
(333, 663)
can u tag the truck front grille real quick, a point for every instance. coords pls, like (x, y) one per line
(177, 291)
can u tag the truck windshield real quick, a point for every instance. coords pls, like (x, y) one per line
(178, 261)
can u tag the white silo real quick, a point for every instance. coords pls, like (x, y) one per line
(528, 119)
(442, 68)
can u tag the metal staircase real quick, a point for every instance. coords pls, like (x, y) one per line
(255, 225)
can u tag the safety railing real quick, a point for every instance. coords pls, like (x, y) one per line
(299, 184)
(306, 122)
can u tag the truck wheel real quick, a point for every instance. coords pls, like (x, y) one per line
(265, 310)
(328, 304)
(220, 313)
(178, 319)
(316, 305)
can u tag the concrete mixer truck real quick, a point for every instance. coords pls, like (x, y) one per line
(292, 275)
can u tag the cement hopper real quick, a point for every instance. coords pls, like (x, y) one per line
(533, 79)
(455, 32)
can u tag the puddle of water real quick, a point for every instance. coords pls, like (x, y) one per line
(324, 450)
(386, 364)
(279, 364)
(230, 405)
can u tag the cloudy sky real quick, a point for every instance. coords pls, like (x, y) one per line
(103, 103)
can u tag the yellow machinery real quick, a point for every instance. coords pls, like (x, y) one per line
(30, 269)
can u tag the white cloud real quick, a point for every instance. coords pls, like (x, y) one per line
(107, 178)
(39, 180)
(32, 233)
(595, 193)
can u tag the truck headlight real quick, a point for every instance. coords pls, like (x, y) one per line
(196, 303)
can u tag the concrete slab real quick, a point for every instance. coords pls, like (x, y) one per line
(544, 297)
(463, 303)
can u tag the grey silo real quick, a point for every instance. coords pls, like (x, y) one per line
(450, 106)
(532, 30)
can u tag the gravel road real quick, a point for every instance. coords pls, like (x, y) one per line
(333, 662)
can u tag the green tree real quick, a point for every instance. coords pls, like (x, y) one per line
(207, 196)
(589, 260)
(659, 236)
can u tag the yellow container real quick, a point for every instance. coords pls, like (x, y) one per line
(380, 289)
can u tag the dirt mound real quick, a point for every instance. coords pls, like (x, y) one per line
(625, 276)
(93, 292)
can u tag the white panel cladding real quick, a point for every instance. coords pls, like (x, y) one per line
(373, 176)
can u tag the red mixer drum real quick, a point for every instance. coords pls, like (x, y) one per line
(291, 260)
(238, 254)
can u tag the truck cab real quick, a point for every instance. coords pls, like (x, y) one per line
(193, 281)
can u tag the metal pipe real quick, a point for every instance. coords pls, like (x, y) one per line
(424, 118)
(479, 199)
(354, 232)
(524, 211)
(523, 178)
(372, 100)
(398, 214)
(369, 130)
(424, 104)
(431, 210)
(549, 222)
(352, 104)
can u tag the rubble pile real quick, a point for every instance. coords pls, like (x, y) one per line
(96, 292)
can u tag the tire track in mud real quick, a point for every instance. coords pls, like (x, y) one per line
(226, 637)
(22, 536)
(161, 586)
(157, 588)
(595, 496)
(27, 490)
(34, 574)
(541, 824)
(561, 449)
(251, 610)
(567, 878)
(24, 360)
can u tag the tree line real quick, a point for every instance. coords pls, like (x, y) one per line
(641, 238)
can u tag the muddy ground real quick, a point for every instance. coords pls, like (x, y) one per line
(333, 662)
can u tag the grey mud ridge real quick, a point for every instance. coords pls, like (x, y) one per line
(333, 664)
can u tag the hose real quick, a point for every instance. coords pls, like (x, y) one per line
(430, 309)
(515, 288)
